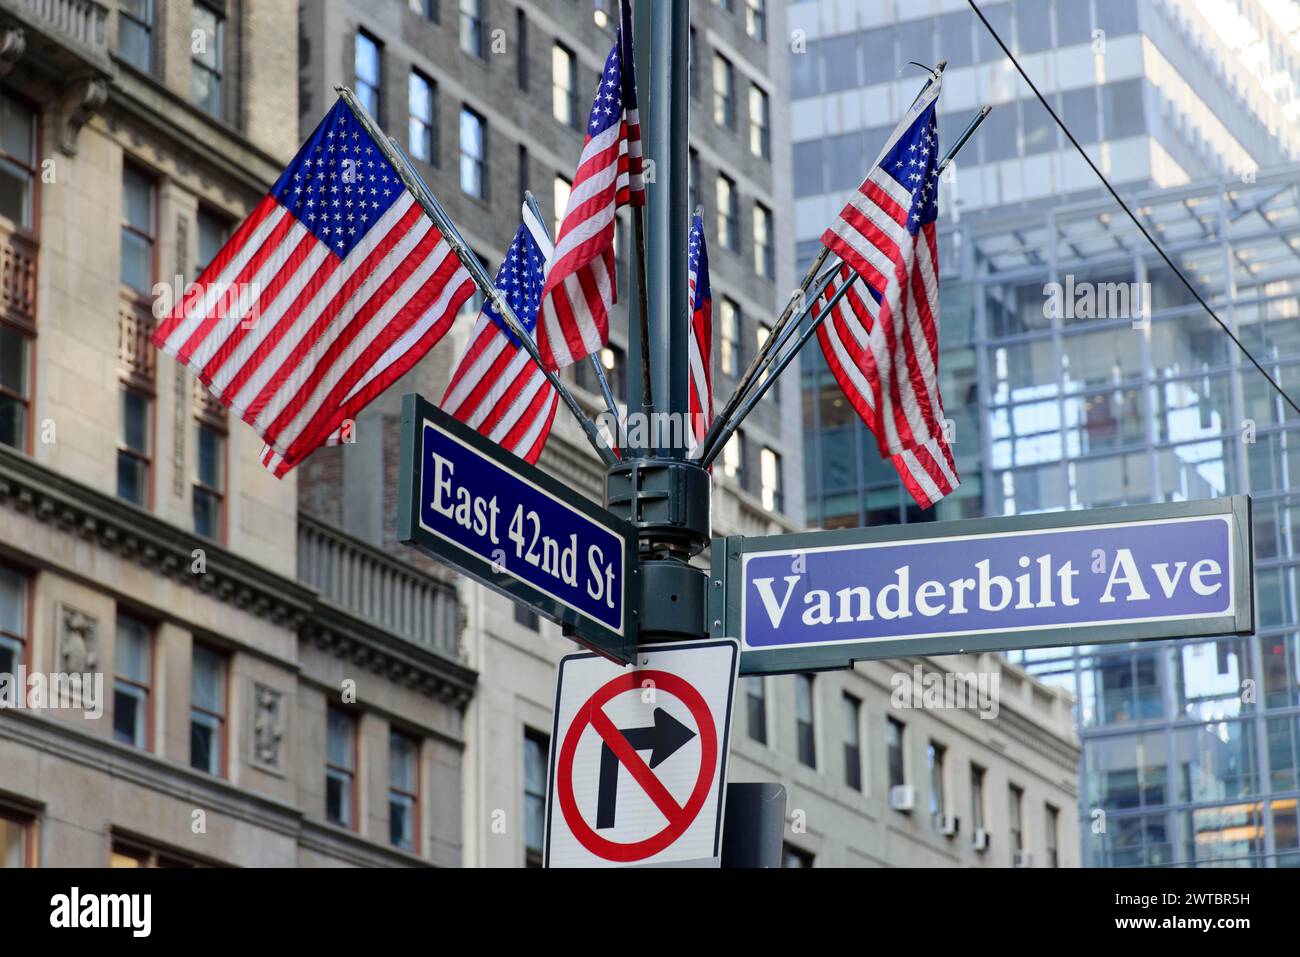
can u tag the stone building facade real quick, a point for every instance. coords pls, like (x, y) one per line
(254, 709)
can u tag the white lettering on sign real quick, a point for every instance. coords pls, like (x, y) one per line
(556, 557)
(474, 512)
(1042, 585)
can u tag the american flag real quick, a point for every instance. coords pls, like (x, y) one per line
(333, 287)
(574, 318)
(883, 348)
(701, 342)
(496, 387)
(928, 470)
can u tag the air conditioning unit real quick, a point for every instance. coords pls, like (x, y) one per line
(902, 797)
(1022, 859)
(949, 824)
(980, 840)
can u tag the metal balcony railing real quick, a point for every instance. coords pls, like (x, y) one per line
(377, 587)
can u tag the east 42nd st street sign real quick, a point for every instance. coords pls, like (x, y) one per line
(467, 502)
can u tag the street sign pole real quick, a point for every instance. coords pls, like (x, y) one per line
(665, 496)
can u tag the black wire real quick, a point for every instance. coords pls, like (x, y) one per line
(1136, 222)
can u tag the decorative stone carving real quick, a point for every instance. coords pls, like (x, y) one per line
(81, 102)
(12, 44)
(77, 641)
(268, 727)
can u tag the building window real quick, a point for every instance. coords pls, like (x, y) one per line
(207, 711)
(934, 755)
(756, 19)
(976, 797)
(133, 854)
(135, 33)
(369, 70)
(730, 356)
(724, 92)
(769, 469)
(728, 213)
(527, 617)
(760, 119)
(564, 86)
(693, 65)
(521, 49)
(15, 386)
(471, 27)
(560, 190)
(756, 707)
(733, 459)
(852, 741)
(805, 731)
(473, 153)
(13, 621)
(134, 453)
(762, 333)
(207, 49)
(139, 229)
(403, 791)
(132, 677)
(536, 746)
(1016, 797)
(425, 8)
(209, 479)
(1053, 822)
(17, 849)
(694, 172)
(763, 263)
(214, 230)
(792, 856)
(420, 126)
(17, 161)
(523, 169)
(340, 766)
(894, 749)
(17, 328)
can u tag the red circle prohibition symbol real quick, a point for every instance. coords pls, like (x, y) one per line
(679, 816)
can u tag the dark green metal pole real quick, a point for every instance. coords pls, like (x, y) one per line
(658, 490)
(637, 369)
(668, 216)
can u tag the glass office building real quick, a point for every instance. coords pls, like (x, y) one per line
(1190, 747)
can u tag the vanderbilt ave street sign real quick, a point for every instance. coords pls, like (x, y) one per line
(464, 500)
(821, 600)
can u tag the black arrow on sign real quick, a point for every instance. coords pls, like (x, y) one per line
(662, 739)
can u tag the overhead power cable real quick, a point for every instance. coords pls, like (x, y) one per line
(1133, 216)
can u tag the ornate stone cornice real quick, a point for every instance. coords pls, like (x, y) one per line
(30, 488)
(133, 533)
(336, 630)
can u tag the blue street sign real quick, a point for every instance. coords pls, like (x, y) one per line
(825, 599)
(466, 501)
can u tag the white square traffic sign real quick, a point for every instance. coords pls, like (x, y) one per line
(638, 761)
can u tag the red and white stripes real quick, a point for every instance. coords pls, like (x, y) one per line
(296, 339)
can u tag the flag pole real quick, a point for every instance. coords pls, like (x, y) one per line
(766, 375)
(706, 459)
(429, 203)
(605, 390)
(797, 298)
(639, 249)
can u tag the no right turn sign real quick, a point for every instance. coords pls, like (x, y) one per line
(639, 756)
